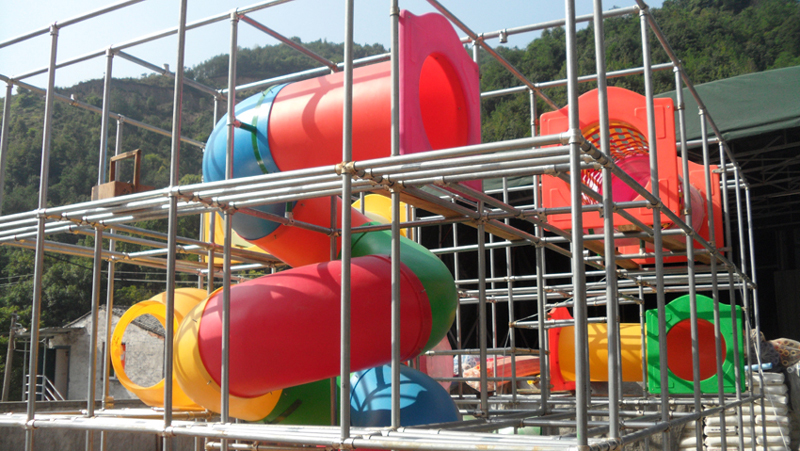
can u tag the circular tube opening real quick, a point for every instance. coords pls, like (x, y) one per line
(679, 349)
(628, 148)
(442, 103)
(143, 351)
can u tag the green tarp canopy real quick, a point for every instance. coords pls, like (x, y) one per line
(746, 105)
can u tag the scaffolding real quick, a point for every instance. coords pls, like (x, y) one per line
(598, 275)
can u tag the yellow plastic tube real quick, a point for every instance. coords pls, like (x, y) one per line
(379, 208)
(194, 379)
(185, 300)
(631, 345)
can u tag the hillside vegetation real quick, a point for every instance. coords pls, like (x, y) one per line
(715, 38)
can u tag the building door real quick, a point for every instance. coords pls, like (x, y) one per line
(61, 371)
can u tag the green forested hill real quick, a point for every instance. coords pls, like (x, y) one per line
(715, 38)
(67, 281)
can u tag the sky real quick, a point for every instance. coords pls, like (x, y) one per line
(307, 19)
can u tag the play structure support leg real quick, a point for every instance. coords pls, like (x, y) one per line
(36, 304)
(690, 270)
(212, 220)
(394, 14)
(748, 337)
(4, 138)
(541, 295)
(746, 307)
(459, 342)
(107, 398)
(756, 315)
(612, 299)
(396, 281)
(97, 271)
(228, 229)
(111, 265)
(482, 316)
(347, 155)
(511, 315)
(112, 246)
(657, 238)
(98, 262)
(207, 228)
(743, 262)
(578, 269)
(172, 222)
(714, 273)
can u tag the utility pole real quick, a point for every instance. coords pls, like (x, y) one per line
(9, 358)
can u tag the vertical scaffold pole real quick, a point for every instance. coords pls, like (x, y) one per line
(578, 269)
(690, 270)
(756, 317)
(394, 14)
(642, 333)
(107, 398)
(737, 367)
(333, 254)
(482, 338)
(98, 258)
(714, 287)
(347, 155)
(111, 245)
(541, 294)
(748, 339)
(12, 329)
(228, 229)
(459, 331)
(731, 283)
(512, 335)
(657, 238)
(484, 373)
(612, 298)
(97, 271)
(172, 222)
(4, 138)
(212, 220)
(38, 269)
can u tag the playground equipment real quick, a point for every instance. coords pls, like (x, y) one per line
(521, 224)
(679, 359)
(562, 352)
(423, 401)
(627, 115)
(679, 362)
(379, 209)
(273, 307)
(185, 300)
(299, 125)
(439, 108)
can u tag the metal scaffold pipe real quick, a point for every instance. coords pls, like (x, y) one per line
(347, 155)
(491, 200)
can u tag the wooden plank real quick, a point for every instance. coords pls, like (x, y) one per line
(672, 243)
(600, 248)
(418, 202)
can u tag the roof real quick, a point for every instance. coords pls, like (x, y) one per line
(746, 105)
(49, 332)
(146, 322)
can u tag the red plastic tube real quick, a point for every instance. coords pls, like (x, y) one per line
(287, 324)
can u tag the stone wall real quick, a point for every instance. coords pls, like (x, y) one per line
(144, 358)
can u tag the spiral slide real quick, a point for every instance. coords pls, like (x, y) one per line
(285, 326)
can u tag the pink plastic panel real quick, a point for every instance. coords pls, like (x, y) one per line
(436, 70)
